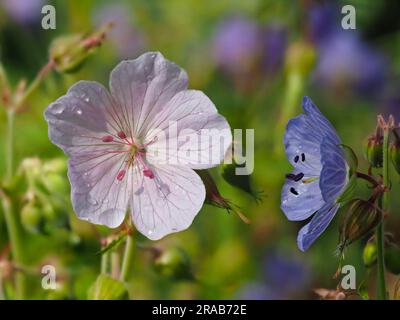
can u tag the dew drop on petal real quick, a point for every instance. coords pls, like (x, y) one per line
(150, 232)
(93, 201)
(79, 111)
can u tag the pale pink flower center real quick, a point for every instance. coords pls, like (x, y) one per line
(134, 154)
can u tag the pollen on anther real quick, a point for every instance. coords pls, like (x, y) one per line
(107, 139)
(122, 135)
(121, 175)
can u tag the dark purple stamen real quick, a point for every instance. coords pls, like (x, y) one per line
(296, 159)
(303, 157)
(299, 176)
(293, 190)
(295, 177)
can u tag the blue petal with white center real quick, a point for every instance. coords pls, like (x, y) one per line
(320, 173)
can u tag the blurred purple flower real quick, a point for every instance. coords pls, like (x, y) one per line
(242, 46)
(286, 273)
(274, 42)
(236, 44)
(128, 41)
(346, 63)
(284, 276)
(22, 11)
(323, 20)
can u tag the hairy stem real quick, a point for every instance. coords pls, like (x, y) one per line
(127, 261)
(383, 204)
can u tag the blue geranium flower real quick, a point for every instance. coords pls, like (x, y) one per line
(320, 174)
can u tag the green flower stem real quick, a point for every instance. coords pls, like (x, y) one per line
(34, 84)
(15, 232)
(383, 204)
(105, 262)
(10, 144)
(13, 226)
(128, 258)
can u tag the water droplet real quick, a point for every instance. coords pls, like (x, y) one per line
(85, 173)
(87, 99)
(79, 111)
(93, 201)
(150, 232)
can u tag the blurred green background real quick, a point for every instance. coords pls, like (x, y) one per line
(255, 59)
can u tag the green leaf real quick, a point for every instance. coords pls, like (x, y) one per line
(107, 288)
(112, 244)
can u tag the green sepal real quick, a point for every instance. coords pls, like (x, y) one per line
(349, 190)
(107, 288)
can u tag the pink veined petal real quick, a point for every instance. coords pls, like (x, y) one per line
(201, 138)
(168, 203)
(142, 87)
(82, 123)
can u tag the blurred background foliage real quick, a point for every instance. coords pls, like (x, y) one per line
(254, 59)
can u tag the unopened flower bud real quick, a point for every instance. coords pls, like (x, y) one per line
(360, 219)
(300, 58)
(243, 182)
(369, 254)
(174, 263)
(394, 152)
(69, 52)
(214, 197)
(31, 218)
(374, 149)
(107, 288)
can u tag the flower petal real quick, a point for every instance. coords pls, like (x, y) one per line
(143, 87)
(321, 125)
(77, 123)
(334, 170)
(305, 203)
(189, 132)
(168, 203)
(80, 119)
(311, 231)
(302, 145)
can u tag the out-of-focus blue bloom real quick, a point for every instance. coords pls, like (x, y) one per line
(323, 21)
(22, 11)
(286, 273)
(320, 173)
(242, 46)
(346, 63)
(274, 43)
(236, 44)
(284, 276)
(127, 40)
